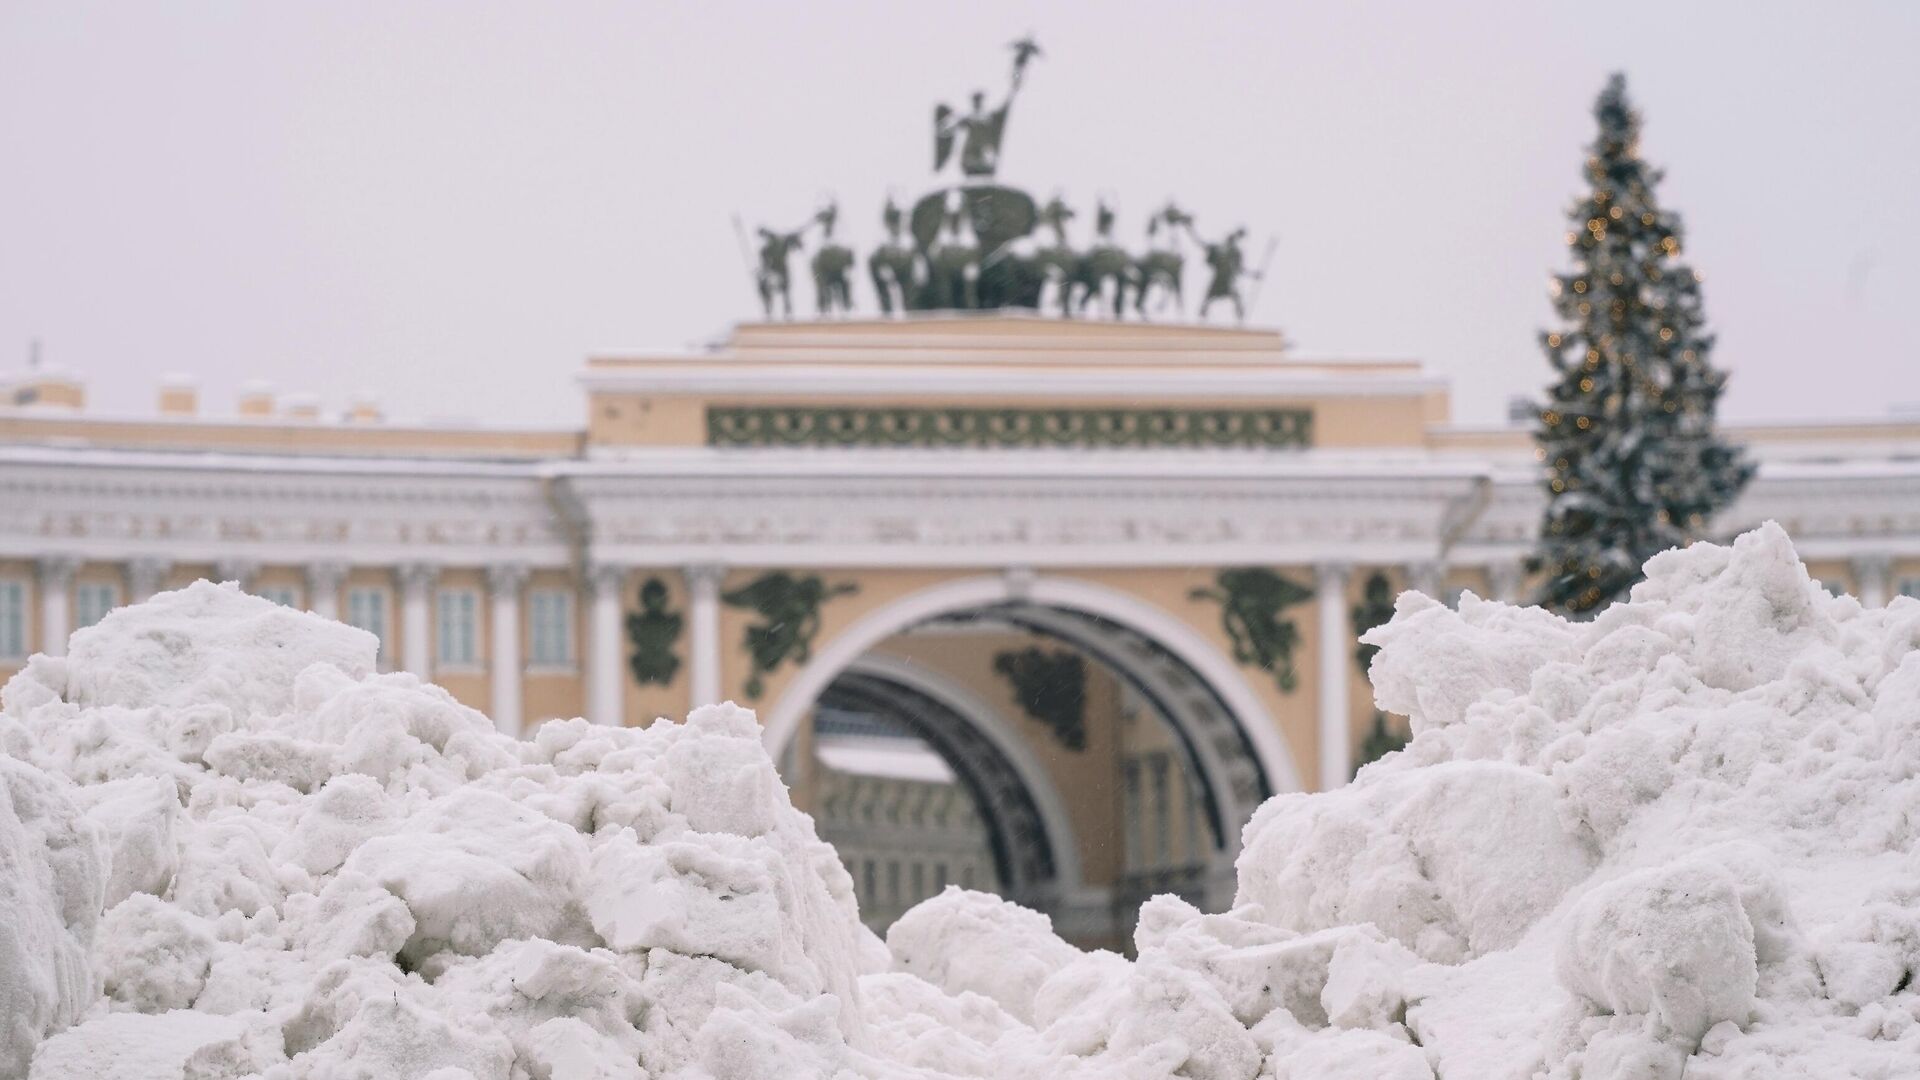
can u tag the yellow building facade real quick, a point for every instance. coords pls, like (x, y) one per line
(929, 525)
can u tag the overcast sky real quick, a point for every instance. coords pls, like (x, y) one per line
(450, 204)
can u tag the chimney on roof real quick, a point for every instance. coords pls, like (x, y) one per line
(305, 407)
(46, 387)
(179, 395)
(256, 399)
(362, 409)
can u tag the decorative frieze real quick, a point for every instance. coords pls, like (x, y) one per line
(1005, 428)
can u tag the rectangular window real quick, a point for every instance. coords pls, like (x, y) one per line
(550, 628)
(459, 628)
(13, 620)
(367, 609)
(279, 594)
(92, 600)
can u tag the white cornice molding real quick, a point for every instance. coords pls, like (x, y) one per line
(857, 380)
(848, 509)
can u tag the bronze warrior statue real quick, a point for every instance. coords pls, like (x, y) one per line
(1059, 264)
(892, 264)
(1229, 265)
(1161, 266)
(773, 278)
(1105, 262)
(981, 130)
(831, 266)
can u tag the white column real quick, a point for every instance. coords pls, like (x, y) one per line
(703, 634)
(1336, 647)
(56, 601)
(1507, 578)
(503, 585)
(145, 575)
(416, 618)
(240, 571)
(1429, 577)
(323, 588)
(606, 682)
(1875, 576)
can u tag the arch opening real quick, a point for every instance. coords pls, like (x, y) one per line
(1149, 798)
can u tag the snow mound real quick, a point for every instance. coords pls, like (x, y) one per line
(228, 848)
(1679, 839)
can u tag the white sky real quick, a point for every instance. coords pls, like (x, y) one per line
(449, 204)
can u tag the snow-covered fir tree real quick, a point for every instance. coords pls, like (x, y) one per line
(1633, 464)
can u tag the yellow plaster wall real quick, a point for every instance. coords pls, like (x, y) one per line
(1834, 573)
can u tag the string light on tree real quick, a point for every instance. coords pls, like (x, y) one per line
(1639, 469)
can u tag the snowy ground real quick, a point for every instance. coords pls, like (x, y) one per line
(1681, 837)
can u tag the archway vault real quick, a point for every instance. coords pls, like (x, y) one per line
(1230, 737)
(1030, 831)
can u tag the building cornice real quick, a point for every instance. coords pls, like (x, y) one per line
(919, 381)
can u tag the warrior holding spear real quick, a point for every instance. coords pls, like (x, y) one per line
(1229, 265)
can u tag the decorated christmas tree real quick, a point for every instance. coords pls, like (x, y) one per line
(1633, 464)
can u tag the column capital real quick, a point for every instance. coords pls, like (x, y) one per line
(416, 576)
(145, 575)
(325, 576)
(1332, 573)
(703, 574)
(1019, 582)
(236, 569)
(56, 571)
(1428, 576)
(506, 577)
(605, 577)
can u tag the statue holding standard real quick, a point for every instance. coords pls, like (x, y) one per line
(980, 131)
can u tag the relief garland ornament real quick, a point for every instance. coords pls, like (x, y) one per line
(1251, 600)
(1051, 687)
(926, 427)
(789, 610)
(653, 631)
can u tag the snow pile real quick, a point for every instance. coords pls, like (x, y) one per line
(1679, 838)
(228, 848)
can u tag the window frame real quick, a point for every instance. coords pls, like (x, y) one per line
(81, 589)
(24, 614)
(273, 593)
(444, 601)
(568, 659)
(384, 658)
